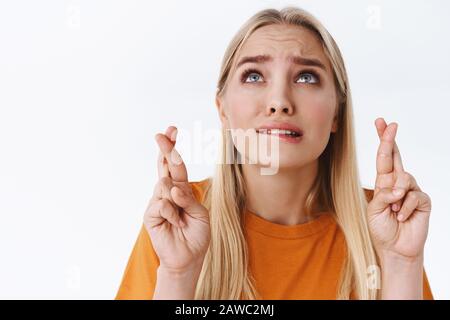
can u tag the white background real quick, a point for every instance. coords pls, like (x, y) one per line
(85, 86)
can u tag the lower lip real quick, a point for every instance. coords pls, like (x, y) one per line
(287, 138)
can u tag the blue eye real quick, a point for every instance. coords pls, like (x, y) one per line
(308, 77)
(248, 73)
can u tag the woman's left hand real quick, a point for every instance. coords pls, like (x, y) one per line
(398, 223)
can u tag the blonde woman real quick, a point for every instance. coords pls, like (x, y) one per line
(310, 231)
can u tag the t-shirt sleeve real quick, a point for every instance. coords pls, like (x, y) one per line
(139, 279)
(427, 294)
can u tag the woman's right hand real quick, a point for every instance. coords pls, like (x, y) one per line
(177, 223)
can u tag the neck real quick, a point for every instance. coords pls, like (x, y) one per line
(279, 198)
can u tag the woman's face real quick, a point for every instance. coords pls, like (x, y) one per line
(300, 92)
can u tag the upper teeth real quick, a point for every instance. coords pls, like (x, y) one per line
(277, 131)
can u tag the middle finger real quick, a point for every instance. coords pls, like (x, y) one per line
(397, 160)
(163, 168)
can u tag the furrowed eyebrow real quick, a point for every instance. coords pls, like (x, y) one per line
(307, 62)
(254, 59)
(294, 59)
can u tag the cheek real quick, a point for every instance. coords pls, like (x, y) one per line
(242, 109)
(319, 111)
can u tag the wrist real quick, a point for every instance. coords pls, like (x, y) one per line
(176, 284)
(190, 270)
(390, 258)
(401, 276)
(179, 274)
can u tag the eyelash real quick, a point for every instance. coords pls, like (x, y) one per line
(247, 72)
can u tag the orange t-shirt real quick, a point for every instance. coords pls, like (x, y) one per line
(287, 262)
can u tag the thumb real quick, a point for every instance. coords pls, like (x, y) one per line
(188, 202)
(384, 198)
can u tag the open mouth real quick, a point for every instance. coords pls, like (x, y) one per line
(280, 132)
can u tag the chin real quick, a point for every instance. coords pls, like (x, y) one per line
(286, 162)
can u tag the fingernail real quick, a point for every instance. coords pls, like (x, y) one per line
(174, 135)
(398, 192)
(175, 157)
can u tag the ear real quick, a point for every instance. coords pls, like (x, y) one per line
(334, 127)
(221, 109)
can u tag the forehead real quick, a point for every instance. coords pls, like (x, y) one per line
(280, 41)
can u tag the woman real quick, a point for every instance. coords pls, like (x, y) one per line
(309, 231)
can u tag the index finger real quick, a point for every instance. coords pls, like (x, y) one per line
(163, 169)
(397, 159)
(385, 150)
(176, 166)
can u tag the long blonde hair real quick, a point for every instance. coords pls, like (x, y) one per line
(225, 273)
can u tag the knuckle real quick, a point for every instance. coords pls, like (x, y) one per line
(188, 191)
(185, 187)
(413, 196)
(152, 210)
(156, 207)
(409, 177)
(165, 204)
(162, 187)
(159, 205)
(165, 181)
(167, 209)
(426, 197)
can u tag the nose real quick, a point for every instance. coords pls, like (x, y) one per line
(279, 109)
(279, 101)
